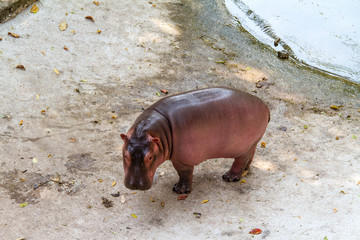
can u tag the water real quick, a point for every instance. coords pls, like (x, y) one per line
(324, 34)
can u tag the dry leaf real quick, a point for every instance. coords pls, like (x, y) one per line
(13, 34)
(0, 38)
(133, 215)
(182, 197)
(335, 210)
(163, 204)
(255, 231)
(100, 180)
(65, 48)
(242, 181)
(34, 9)
(205, 201)
(43, 112)
(90, 18)
(113, 183)
(263, 144)
(122, 199)
(63, 26)
(21, 122)
(23, 204)
(98, 31)
(21, 67)
(72, 140)
(96, 3)
(152, 199)
(56, 71)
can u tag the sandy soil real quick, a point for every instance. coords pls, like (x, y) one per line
(61, 166)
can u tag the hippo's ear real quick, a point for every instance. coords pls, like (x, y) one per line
(124, 137)
(155, 140)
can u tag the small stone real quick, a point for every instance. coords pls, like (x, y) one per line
(283, 54)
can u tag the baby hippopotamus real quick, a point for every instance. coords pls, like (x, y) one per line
(189, 128)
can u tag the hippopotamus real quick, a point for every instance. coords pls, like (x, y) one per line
(191, 127)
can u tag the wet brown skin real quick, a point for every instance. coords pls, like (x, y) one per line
(189, 128)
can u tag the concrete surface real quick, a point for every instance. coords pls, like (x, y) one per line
(64, 160)
(10, 8)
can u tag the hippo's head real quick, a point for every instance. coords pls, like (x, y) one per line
(141, 157)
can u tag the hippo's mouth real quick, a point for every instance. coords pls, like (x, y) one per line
(137, 184)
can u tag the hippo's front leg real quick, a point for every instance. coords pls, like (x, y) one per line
(185, 177)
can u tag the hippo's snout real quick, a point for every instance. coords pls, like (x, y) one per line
(137, 184)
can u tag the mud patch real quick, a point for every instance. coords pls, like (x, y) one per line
(27, 186)
(80, 162)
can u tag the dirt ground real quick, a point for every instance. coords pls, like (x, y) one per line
(61, 173)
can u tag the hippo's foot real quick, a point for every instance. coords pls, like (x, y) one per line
(182, 187)
(231, 177)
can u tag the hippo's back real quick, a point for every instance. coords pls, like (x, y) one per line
(214, 119)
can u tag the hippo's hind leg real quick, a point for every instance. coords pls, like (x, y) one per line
(185, 178)
(239, 166)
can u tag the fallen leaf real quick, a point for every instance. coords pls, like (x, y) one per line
(43, 112)
(43, 53)
(0, 38)
(34, 9)
(49, 156)
(56, 71)
(13, 34)
(63, 26)
(154, 5)
(337, 138)
(326, 238)
(113, 117)
(335, 210)
(242, 181)
(220, 61)
(305, 127)
(96, 3)
(73, 32)
(37, 96)
(165, 91)
(107, 203)
(255, 231)
(334, 107)
(133, 215)
(163, 204)
(115, 194)
(65, 48)
(245, 173)
(205, 201)
(21, 67)
(23, 204)
(98, 31)
(152, 199)
(354, 137)
(21, 122)
(263, 144)
(90, 18)
(72, 140)
(157, 93)
(22, 179)
(34, 160)
(100, 180)
(83, 80)
(113, 183)
(122, 199)
(182, 197)
(342, 192)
